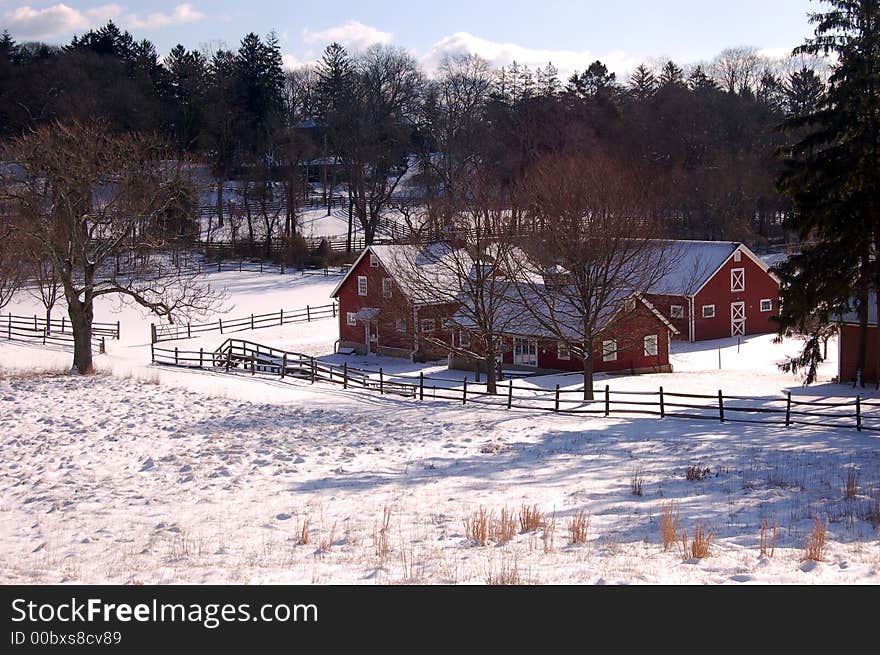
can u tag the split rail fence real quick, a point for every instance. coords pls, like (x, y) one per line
(239, 356)
(56, 332)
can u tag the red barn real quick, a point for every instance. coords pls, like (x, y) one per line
(848, 346)
(716, 289)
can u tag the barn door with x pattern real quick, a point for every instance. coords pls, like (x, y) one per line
(737, 319)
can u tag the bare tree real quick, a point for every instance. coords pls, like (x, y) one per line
(599, 247)
(737, 69)
(47, 283)
(468, 273)
(85, 196)
(11, 269)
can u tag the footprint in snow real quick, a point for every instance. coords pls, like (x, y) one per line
(148, 464)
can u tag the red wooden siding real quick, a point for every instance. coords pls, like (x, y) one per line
(663, 303)
(849, 348)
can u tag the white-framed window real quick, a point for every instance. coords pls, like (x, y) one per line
(676, 311)
(563, 352)
(386, 287)
(737, 256)
(351, 318)
(362, 285)
(400, 325)
(708, 311)
(629, 304)
(374, 261)
(428, 325)
(737, 279)
(464, 339)
(609, 351)
(651, 345)
(767, 305)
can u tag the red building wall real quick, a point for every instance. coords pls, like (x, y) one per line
(759, 285)
(849, 348)
(663, 303)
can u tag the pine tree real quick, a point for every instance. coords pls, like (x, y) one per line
(642, 83)
(831, 173)
(803, 92)
(698, 80)
(671, 76)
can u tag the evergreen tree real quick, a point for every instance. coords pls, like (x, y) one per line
(803, 92)
(831, 174)
(671, 75)
(642, 83)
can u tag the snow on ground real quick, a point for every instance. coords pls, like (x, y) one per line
(157, 475)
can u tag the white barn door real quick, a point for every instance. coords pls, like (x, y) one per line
(737, 319)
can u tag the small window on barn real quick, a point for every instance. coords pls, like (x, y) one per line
(737, 279)
(386, 287)
(737, 256)
(766, 305)
(351, 318)
(427, 325)
(563, 352)
(629, 304)
(401, 325)
(651, 345)
(676, 311)
(362, 285)
(708, 311)
(374, 261)
(464, 339)
(609, 351)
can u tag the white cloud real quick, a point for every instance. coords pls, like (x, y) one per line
(291, 62)
(352, 34)
(502, 54)
(28, 23)
(61, 21)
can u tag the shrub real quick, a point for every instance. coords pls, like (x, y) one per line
(529, 518)
(577, 528)
(815, 549)
(668, 525)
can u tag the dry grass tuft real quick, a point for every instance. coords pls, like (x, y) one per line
(815, 549)
(304, 532)
(698, 548)
(380, 536)
(669, 522)
(697, 473)
(577, 528)
(508, 574)
(549, 534)
(476, 527)
(636, 482)
(851, 486)
(529, 518)
(503, 530)
(327, 544)
(768, 546)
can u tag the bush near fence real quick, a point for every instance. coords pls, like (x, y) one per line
(241, 356)
(252, 322)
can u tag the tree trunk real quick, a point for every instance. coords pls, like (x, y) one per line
(220, 183)
(491, 366)
(588, 375)
(81, 321)
(862, 291)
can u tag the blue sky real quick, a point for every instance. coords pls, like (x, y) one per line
(570, 33)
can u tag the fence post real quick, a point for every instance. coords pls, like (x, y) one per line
(220, 321)
(662, 407)
(35, 323)
(62, 325)
(103, 345)
(464, 393)
(381, 382)
(556, 406)
(44, 337)
(788, 409)
(10, 328)
(720, 406)
(421, 385)
(253, 364)
(152, 354)
(118, 328)
(175, 355)
(345, 375)
(308, 315)
(282, 318)
(509, 393)
(201, 357)
(334, 309)
(152, 333)
(252, 321)
(283, 365)
(313, 370)
(188, 331)
(607, 400)
(859, 413)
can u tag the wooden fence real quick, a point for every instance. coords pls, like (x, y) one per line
(239, 356)
(252, 322)
(28, 331)
(37, 323)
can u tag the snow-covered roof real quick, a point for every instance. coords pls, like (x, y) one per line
(687, 265)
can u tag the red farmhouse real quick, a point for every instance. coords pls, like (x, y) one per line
(716, 289)
(848, 346)
(378, 316)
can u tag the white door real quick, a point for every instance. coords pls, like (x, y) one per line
(525, 352)
(737, 319)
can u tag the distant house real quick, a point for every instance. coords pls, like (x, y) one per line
(848, 346)
(380, 313)
(716, 289)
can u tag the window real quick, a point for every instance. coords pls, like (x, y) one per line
(386, 287)
(350, 318)
(737, 256)
(767, 305)
(609, 351)
(651, 345)
(400, 325)
(708, 311)
(676, 311)
(629, 304)
(464, 339)
(737, 279)
(374, 261)
(362, 285)
(563, 352)
(427, 325)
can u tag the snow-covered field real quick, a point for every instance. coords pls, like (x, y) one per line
(159, 475)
